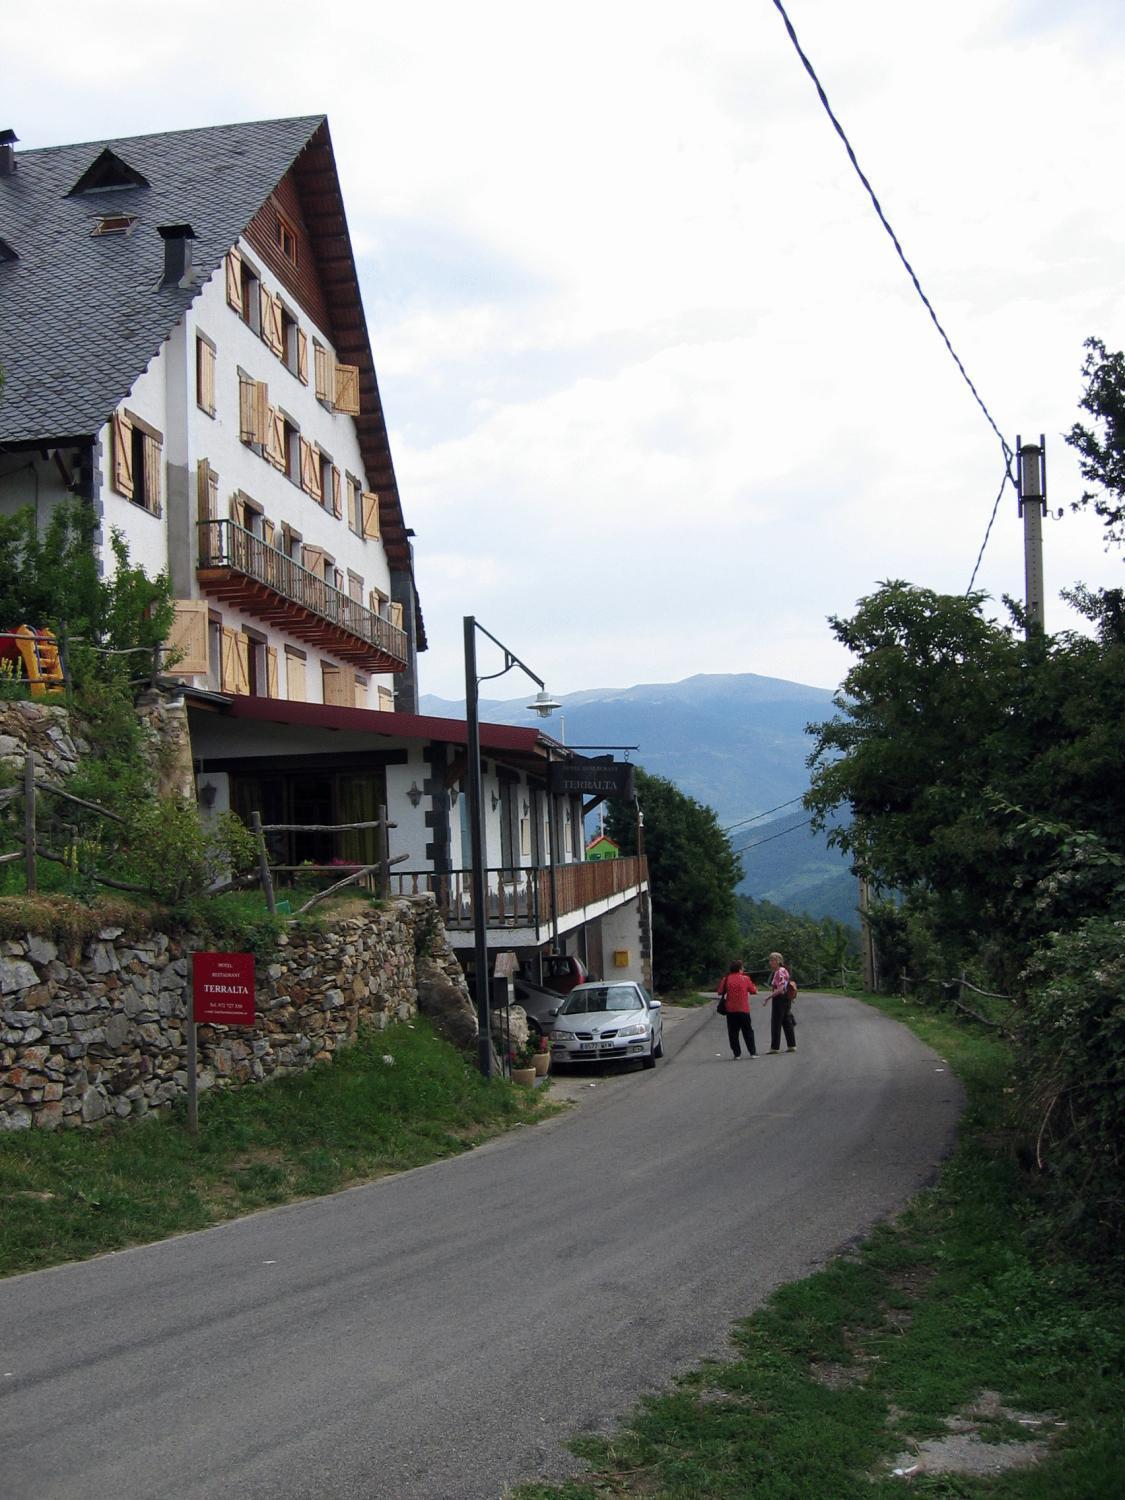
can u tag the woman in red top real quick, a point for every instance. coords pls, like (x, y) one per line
(736, 989)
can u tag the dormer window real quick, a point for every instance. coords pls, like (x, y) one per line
(113, 224)
(108, 171)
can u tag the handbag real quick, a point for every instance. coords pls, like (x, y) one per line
(721, 1008)
(790, 992)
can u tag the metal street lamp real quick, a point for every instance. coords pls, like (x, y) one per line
(544, 704)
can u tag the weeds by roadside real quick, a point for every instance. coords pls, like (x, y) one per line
(956, 1326)
(71, 1194)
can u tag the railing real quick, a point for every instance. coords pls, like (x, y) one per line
(225, 544)
(522, 897)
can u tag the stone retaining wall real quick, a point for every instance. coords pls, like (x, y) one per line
(45, 730)
(104, 1033)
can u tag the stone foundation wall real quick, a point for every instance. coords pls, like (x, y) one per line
(45, 730)
(85, 1036)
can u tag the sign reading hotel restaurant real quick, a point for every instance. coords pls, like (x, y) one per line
(591, 778)
(223, 988)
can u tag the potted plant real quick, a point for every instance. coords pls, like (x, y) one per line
(541, 1056)
(523, 1065)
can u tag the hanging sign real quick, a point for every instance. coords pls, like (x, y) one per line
(223, 988)
(591, 778)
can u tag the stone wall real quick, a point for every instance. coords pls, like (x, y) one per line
(45, 730)
(101, 1033)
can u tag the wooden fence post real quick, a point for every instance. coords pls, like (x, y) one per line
(384, 857)
(263, 861)
(29, 823)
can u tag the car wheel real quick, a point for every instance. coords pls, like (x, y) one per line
(658, 1050)
(650, 1060)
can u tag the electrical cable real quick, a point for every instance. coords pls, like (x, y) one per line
(742, 822)
(1008, 454)
(772, 836)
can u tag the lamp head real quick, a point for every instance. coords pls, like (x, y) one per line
(544, 704)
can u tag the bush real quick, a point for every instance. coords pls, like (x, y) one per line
(176, 858)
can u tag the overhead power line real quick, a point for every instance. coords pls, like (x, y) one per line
(743, 821)
(758, 842)
(1008, 454)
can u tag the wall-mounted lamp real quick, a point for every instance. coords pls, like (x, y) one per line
(495, 801)
(207, 794)
(415, 794)
(526, 807)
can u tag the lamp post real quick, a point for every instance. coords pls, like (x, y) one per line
(1032, 474)
(543, 705)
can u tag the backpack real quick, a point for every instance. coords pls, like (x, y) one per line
(790, 991)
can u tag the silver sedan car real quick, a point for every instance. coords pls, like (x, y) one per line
(608, 1023)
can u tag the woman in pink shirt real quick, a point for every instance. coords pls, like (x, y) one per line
(736, 989)
(781, 1007)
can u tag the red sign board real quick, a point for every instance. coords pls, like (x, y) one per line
(223, 988)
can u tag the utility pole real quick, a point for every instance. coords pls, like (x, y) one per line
(867, 942)
(1031, 466)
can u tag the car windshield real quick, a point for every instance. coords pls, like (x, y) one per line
(601, 997)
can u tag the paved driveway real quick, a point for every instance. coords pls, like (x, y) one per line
(436, 1335)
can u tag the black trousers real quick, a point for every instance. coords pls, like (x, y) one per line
(781, 1019)
(740, 1025)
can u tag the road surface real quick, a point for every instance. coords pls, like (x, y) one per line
(438, 1335)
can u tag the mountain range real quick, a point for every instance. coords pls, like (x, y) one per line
(734, 741)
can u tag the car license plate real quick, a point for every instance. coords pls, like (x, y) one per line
(587, 1046)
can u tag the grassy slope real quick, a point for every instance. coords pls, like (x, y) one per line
(69, 1194)
(835, 1376)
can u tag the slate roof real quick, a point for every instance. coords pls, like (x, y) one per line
(81, 316)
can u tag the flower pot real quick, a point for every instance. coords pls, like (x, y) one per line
(526, 1076)
(542, 1064)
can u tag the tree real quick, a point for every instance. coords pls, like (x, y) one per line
(952, 733)
(693, 874)
(1102, 448)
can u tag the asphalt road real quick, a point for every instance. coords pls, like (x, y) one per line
(437, 1335)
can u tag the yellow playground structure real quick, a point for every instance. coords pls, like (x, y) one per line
(36, 652)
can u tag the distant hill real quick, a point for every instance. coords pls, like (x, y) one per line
(735, 742)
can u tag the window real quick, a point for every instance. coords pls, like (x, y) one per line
(355, 513)
(355, 587)
(286, 238)
(324, 368)
(205, 374)
(253, 411)
(243, 295)
(328, 482)
(290, 342)
(256, 663)
(214, 650)
(137, 454)
(377, 603)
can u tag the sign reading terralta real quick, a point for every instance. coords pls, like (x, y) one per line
(591, 778)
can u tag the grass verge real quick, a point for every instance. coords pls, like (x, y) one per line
(70, 1194)
(842, 1377)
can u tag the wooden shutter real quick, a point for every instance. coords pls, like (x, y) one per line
(238, 509)
(271, 672)
(325, 371)
(394, 614)
(246, 408)
(312, 558)
(205, 376)
(204, 492)
(234, 280)
(346, 394)
(227, 669)
(262, 411)
(268, 530)
(386, 701)
(310, 471)
(375, 602)
(369, 504)
(275, 439)
(360, 689)
(302, 356)
(339, 687)
(295, 677)
(241, 663)
(122, 454)
(337, 498)
(151, 453)
(272, 332)
(188, 638)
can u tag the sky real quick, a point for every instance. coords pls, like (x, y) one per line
(661, 397)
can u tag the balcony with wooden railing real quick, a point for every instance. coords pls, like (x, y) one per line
(522, 898)
(259, 579)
